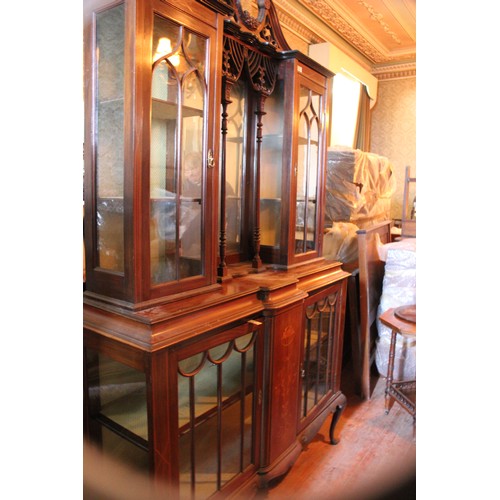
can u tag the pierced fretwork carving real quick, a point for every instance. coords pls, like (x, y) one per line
(261, 73)
(233, 59)
(262, 69)
(253, 48)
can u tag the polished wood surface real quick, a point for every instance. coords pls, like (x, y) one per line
(371, 275)
(375, 458)
(391, 319)
(165, 371)
(149, 341)
(401, 391)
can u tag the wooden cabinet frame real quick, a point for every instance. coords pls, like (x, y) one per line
(137, 335)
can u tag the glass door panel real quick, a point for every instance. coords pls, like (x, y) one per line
(235, 156)
(271, 167)
(317, 363)
(109, 127)
(118, 409)
(307, 170)
(176, 153)
(216, 391)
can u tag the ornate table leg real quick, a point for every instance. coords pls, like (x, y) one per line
(390, 370)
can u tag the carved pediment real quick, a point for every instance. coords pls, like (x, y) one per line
(258, 19)
(254, 21)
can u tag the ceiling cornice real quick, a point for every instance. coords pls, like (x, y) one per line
(289, 17)
(318, 21)
(313, 29)
(338, 23)
(396, 71)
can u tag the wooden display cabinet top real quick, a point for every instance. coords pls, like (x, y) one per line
(159, 326)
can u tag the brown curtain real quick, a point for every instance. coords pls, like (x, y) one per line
(363, 127)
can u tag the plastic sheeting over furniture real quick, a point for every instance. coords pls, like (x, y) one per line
(399, 288)
(359, 186)
(340, 242)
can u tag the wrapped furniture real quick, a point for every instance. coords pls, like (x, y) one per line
(359, 186)
(399, 287)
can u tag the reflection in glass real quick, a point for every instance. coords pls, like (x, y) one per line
(270, 168)
(176, 152)
(118, 402)
(195, 50)
(109, 115)
(235, 168)
(216, 404)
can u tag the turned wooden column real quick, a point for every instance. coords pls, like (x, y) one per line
(226, 100)
(256, 261)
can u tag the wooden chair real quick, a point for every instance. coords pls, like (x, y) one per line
(408, 220)
(370, 274)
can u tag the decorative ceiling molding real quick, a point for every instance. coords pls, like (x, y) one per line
(299, 19)
(290, 21)
(339, 25)
(378, 34)
(379, 18)
(396, 71)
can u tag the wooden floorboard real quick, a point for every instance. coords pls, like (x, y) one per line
(375, 458)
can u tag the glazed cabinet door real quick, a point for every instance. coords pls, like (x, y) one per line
(190, 415)
(308, 164)
(151, 145)
(321, 357)
(308, 167)
(293, 164)
(216, 419)
(181, 152)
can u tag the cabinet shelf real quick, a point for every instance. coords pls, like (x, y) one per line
(127, 415)
(303, 142)
(123, 432)
(164, 110)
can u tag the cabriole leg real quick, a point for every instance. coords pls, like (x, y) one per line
(335, 418)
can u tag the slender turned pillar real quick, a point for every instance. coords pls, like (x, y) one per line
(226, 100)
(256, 262)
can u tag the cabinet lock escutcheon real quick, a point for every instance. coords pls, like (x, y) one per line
(210, 159)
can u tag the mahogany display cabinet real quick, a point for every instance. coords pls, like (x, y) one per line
(213, 326)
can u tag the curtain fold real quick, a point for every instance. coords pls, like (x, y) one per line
(363, 124)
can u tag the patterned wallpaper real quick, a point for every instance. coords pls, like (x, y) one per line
(393, 132)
